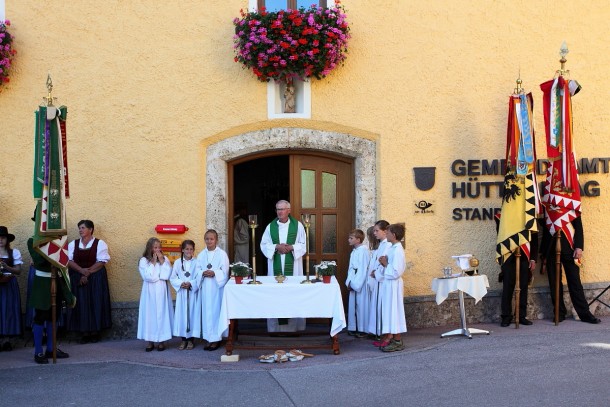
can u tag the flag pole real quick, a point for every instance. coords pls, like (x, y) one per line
(517, 285)
(54, 310)
(557, 273)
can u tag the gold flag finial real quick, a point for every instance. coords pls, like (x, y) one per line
(49, 98)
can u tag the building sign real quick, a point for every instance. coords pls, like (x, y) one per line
(478, 179)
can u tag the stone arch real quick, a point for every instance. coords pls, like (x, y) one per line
(363, 151)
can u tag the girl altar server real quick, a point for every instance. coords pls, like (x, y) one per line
(357, 310)
(185, 281)
(213, 272)
(10, 297)
(374, 282)
(156, 312)
(393, 322)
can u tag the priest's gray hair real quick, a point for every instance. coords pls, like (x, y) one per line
(283, 201)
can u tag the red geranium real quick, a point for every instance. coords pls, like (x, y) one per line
(292, 43)
(6, 52)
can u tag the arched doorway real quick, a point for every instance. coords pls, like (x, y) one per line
(243, 147)
(316, 183)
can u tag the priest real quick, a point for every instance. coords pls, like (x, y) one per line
(283, 243)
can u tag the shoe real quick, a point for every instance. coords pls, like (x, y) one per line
(266, 358)
(161, 347)
(41, 359)
(84, 339)
(525, 321)
(280, 356)
(207, 347)
(182, 345)
(297, 352)
(360, 335)
(190, 345)
(505, 323)
(95, 338)
(592, 320)
(213, 346)
(394, 346)
(59, 354)
(351, 333)
(150, 348)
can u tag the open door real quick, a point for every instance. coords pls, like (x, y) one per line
(324, 188)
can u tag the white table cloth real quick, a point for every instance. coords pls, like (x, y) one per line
(291, 299)
(475, 286)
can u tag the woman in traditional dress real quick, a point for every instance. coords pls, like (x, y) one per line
(89, 280)
(156, 313)
(185, 281)
(10, 297)
(213, 268)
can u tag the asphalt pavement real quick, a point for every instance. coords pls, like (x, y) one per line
(538, 365)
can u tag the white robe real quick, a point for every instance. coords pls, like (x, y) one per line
(357, 310)
(156, 313)
(241, 238)
(186, 300)
(299, 247)
(392, 292)
(373, 287)
(209, 299)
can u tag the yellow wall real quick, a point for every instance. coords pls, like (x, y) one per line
(149, 84)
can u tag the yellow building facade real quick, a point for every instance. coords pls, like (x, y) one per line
(165, 128)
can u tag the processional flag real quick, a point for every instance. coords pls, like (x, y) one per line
(520, 203)
(50, 184)
(561, 189)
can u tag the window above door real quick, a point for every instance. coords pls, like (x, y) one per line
(276, 5)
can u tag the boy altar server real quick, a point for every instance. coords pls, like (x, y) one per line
(357, 312)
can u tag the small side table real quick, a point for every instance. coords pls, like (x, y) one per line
(475, 286)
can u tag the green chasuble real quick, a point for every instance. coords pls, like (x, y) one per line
(274, 231)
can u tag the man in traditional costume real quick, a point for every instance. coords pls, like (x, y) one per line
(40, 301)
(283, 243)
(562, 198)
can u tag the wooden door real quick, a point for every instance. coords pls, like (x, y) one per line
(324, 188)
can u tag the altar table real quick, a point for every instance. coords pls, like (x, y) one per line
(290, 299)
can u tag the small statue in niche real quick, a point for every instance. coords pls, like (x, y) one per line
(289, 98)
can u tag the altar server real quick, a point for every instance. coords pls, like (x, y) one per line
(374, 282)
(357, 312)
(213, 273)
(156, 313)
(393, 322)
(185, 280)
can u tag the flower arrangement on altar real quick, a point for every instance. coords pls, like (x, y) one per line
(6, 52)
(291, 44)
(326, 268)
(240, 269)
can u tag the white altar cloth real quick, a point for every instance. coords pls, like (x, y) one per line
(291, 299)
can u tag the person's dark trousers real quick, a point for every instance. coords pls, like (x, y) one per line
(577, 294)
(508, 287)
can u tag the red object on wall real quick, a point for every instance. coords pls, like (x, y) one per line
(171, 228)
